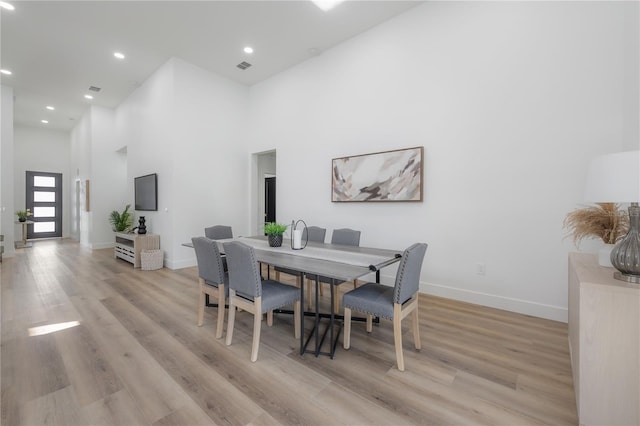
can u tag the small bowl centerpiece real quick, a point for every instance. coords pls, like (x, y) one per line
(274, 233)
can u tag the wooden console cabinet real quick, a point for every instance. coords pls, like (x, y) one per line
(604, 340)
(129, 246)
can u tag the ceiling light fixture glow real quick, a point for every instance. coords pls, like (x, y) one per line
(6, 72)
(327, 5)
(118, 55)
(44, 121)
(50, 108)
(8, 6)
(248, 50)
(88, 97)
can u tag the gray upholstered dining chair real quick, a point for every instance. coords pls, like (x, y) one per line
(218, 232)
(249, 292)
(316, 234)
(345, 237)
(212, 279)
(393, 303)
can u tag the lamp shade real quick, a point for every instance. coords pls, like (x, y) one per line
(614, 178)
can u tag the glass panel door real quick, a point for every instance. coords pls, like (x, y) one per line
(44, 199)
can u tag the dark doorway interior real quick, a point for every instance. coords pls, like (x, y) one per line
(270, 199)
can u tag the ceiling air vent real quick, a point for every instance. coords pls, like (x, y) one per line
(243, 65)
(94, 89)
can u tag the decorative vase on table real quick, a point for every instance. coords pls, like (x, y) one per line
(142, 228)
(22, 219)
(625, 256)
(275, 240)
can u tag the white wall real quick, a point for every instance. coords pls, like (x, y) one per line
(80, 158)
(108, 176)
(509, 100)
(145, 125)
(52, 148)
(7, 215)
(211, 163)
(186, 125)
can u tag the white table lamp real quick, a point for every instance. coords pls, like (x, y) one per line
(615, 178)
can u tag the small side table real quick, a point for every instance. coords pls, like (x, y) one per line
(24, 243)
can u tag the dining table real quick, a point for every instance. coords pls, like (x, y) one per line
(335, 263)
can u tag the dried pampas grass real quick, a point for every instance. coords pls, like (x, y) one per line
(605, 220)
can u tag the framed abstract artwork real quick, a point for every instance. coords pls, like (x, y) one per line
(381, 176)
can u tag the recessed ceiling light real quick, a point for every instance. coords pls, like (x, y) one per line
(50, 108)
(88, 97)
(44, 121)
(248, 50)
(5, 5)
(6, 72)
(327, 5)
(118, 55)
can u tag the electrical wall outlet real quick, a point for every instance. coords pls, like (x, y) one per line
(480, 268)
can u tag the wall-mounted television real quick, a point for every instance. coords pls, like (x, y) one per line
(146, 192)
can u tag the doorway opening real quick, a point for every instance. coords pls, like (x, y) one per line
(270, 199)
(264, 191)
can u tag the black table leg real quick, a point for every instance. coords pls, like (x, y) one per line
(302, 307)
(332, 319)
(317, 316)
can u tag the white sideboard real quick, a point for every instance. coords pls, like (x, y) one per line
(129, 246)
(604, 340)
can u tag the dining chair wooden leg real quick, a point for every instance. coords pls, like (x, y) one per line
(416, 328)
(269, 318)
(257, 322)
(232, 316)
(346, 341)
(201, 299)
(397, 334)
(220, 325)
(296, 320)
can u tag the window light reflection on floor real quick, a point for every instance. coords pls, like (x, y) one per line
(52, 328)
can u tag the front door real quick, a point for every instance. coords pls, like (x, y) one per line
(44, 199)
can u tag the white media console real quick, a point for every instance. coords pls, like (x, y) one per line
(129, 246)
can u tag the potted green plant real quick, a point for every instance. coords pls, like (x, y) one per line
(23, 215)
(121, 222)
(274, 233)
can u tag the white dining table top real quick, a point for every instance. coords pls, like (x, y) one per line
(341, 262)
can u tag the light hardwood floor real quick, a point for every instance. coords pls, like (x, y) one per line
(138, 358)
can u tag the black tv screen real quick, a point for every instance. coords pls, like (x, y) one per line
(146, 192)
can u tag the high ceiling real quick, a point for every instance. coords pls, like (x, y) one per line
(56, 50)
